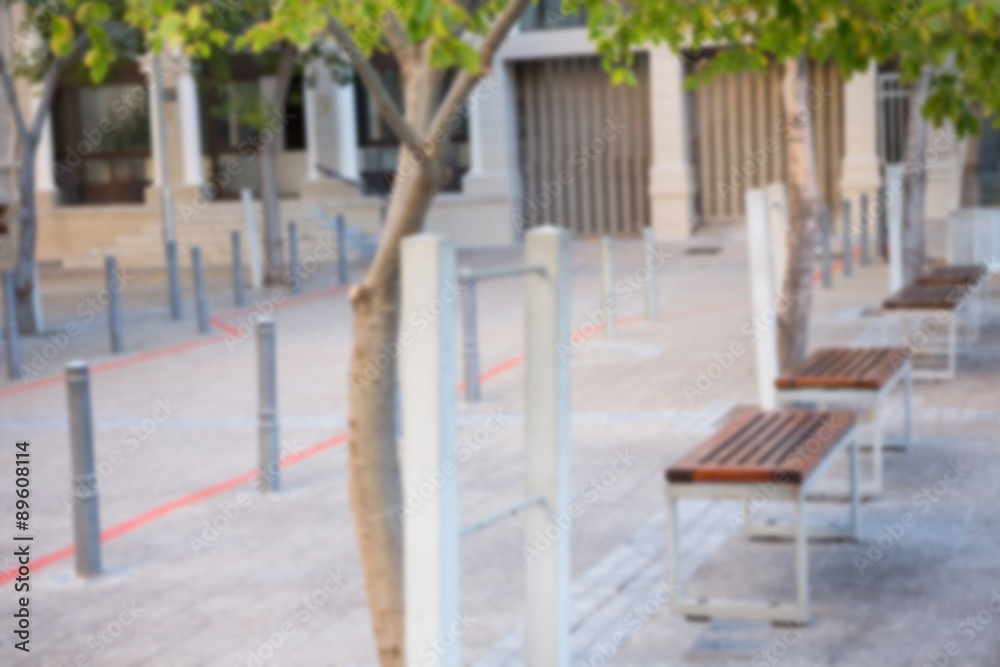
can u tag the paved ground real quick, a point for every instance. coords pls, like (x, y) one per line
(203, 570)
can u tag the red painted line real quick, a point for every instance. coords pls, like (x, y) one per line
(226, 329)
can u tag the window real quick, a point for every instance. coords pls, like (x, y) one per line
(548, 15)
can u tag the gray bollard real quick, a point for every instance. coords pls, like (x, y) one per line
(847, 246)
(200, 295)
(174, 280)
(824, 231)
(652, 291)
(866, 253)
(239, 293)
(608, 290)
(294, 267)
(269, 447)
(341, 250)
(86, 519)
(470, 343)
(114, 286)
(11, 330)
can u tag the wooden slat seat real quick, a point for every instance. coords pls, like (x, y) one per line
(844, 368)
(928, 297)
(758, 446)
(955, 274)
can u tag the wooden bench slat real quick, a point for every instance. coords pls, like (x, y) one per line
(843, 368)
(756, 446)
(947, 296)
(954, 274)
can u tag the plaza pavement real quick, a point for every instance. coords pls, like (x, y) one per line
(280, 584)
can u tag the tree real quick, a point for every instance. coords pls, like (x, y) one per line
(49, 37)
(432, 38)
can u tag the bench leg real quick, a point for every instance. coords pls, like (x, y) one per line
(855, 476)
(908, 406)
(672, 536)
(801, 561)
(877, 458)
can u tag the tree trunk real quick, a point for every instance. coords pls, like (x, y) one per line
(376, 486)
(915, 181)
(270, 197)
(803, 211)
(24, 271)
(274, 248)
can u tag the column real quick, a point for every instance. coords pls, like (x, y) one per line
(671, 179)
(45, 182)
(860, 167)
(331, 135)
(491, 110)
(190, 126)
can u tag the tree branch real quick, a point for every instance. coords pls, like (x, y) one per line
(283, 77)
(376, 89)
(49, 84)
(11, 91)
(464, 83)
(396, 36)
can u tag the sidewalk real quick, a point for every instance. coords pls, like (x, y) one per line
(212, 573)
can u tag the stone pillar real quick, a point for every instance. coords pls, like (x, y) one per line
(671, 178)
(331, 134)
(190, 127)
(45, 182)
(490, 152)
(860, 167)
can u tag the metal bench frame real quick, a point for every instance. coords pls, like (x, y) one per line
(949, 349)
(796, 613)
(870, 401)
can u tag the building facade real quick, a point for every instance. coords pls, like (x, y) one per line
(545, 138)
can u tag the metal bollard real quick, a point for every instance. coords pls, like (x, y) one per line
(114, 285)
(652, 291)
(608, 279)
(847, 246)
(866, 256)
(174, 280)
(341, 250)
(294, 267)
(86, 519)
(470, 343)
(11, 329)
(824, 230)
(200, 295)
(239, 293)
(269, 447)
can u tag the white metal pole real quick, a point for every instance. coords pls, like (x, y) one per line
(167, 199)
(429, 374)
(762, 289)
(253, 241)
(547, 609)
(894, 195)
(608, 288)
(652, 265)
(777, 215)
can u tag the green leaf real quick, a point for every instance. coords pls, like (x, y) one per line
(63, 36)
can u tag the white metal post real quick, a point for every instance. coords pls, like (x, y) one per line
(253, 241)
(547, 607)
(762, 289)
(894, 213)
(608, 288)
(429, 374)
(777, 215)
(652, 265)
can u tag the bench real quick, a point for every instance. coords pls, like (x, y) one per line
(776, 455)
(930, 304)
(976, 276)
(855, 378)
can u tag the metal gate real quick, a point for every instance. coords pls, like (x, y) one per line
(583, 146)
(738, 137)
(892, 115)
